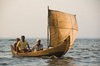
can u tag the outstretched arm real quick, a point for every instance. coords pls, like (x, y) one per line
(28, 47)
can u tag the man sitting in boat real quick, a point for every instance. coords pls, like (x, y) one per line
(38, 46)
(22, 45)
(15, 44)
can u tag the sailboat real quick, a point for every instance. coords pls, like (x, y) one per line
(61, 32)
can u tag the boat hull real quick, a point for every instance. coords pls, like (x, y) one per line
(58, 50)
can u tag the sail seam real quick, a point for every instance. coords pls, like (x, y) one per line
(64, 28)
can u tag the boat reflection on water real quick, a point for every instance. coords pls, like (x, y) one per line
(66, 61)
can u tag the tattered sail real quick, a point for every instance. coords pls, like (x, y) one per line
(61, 26)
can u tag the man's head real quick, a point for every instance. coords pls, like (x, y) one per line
(17, 39)
(23, 38)
(38, 41)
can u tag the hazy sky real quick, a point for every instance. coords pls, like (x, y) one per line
(29, 17)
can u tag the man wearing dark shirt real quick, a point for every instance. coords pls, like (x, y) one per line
(15, 44)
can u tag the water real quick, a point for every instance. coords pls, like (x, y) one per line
(85, 52)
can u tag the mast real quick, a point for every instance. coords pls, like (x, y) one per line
(48, 29)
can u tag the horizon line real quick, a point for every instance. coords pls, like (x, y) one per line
(46, 38)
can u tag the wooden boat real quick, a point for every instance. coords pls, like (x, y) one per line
(58, 51)
(61, 32)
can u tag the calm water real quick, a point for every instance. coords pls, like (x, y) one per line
(85, 52)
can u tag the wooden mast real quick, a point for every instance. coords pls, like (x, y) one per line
(48, 30)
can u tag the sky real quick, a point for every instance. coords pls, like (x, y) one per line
(29, 17)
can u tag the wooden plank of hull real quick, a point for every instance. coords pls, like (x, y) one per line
(58, 50)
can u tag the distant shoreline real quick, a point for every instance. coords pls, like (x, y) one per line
(19, 37)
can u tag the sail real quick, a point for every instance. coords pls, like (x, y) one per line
(61, 26)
